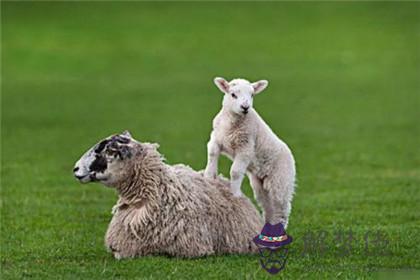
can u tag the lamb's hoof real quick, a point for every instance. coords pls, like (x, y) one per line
(237, 194)
(210, 176)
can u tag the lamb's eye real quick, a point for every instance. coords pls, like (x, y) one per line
(234, 95)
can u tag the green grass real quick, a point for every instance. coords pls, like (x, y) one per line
(344, 94)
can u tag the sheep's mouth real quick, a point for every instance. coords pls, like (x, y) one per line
(93, 177)
(89, 178)
(84, 178)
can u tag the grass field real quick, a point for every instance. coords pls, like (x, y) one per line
(344, 94)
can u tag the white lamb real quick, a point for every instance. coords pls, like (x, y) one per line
(243, 136)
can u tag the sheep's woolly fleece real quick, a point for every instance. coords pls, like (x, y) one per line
(174, 210)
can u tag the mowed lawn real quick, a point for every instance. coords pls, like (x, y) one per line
(344, 94)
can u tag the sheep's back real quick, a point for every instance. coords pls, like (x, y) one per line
(232, 222)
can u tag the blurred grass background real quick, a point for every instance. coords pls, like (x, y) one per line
(344, 94)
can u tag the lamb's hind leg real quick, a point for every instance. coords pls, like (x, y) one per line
(257, 187)
(263, 198)
(276, 200)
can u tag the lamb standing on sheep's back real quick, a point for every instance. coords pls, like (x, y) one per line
(165, 209)
(241, 134)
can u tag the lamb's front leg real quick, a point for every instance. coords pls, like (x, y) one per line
(237, 173)
(213, 153)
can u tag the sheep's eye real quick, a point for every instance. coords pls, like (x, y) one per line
(111, 152)
(234, 95)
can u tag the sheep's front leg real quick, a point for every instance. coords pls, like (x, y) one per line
(213, 153)
(237, 173)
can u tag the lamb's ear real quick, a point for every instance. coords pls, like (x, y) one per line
(126, 133)
(259, 86)
(222, 84)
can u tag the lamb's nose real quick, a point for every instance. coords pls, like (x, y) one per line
(245, 108)
(75, 169)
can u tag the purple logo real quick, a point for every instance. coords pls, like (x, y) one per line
(273, 260)
(271, 246)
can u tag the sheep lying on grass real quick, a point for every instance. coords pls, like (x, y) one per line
(241, 134)
(165, 209)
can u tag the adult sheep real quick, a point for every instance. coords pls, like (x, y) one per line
(164, 209)
(241, 134)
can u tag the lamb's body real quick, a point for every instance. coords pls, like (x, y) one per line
(174, 210)
(255, 150)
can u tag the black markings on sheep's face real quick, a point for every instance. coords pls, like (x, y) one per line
(111, 142)
(101, 146)
(99, 164)
(120, 139)
(108, 150)
(118, 148)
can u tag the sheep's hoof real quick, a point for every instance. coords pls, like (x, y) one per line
(117, 256)
(114, 209)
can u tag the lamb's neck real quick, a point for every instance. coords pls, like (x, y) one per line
(233, 118)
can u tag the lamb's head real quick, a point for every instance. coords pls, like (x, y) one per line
(109, 161)
(239, 94)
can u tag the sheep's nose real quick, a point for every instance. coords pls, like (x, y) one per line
(245, 108)
(75, 169)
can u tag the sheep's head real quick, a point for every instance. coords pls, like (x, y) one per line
(239, 93)
(108, 161)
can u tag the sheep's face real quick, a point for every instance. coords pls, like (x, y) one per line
(108, 161)
(239, 94)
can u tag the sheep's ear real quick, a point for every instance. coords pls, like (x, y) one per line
(259, 86)
(222, 84)
(126, 133)
(124, 152)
